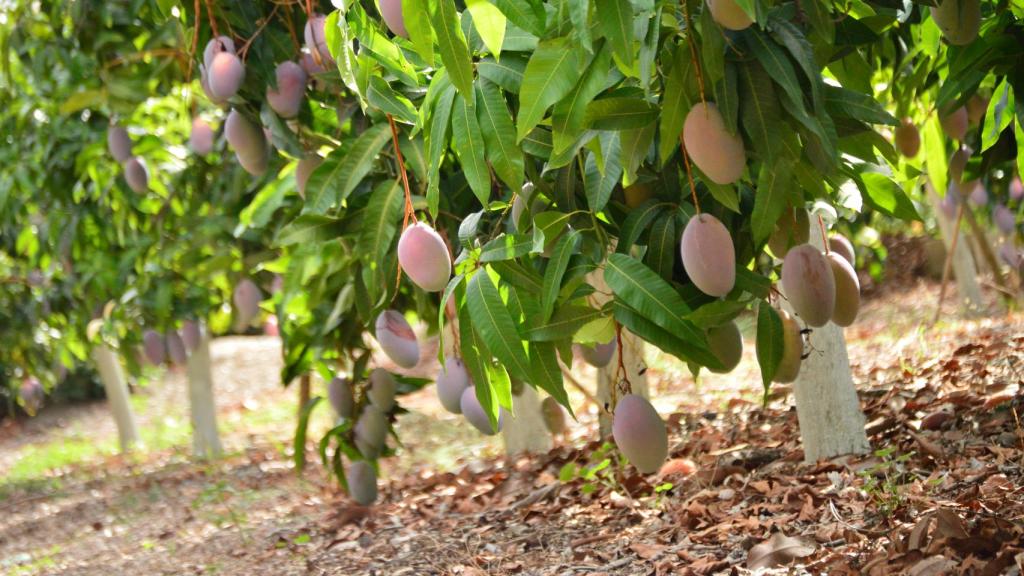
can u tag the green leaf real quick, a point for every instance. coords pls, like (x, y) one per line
(380, 223)
(769, 342)
(499, 134)
(716, 313)
(886, 196)
(559, 261)
(568, 119)
(790, 36)
(339, 43)
(851, 104)
(661, 248)
(468, 142)
(437, 142)
(598, 186)
(676, 101)
(452, 45)
(338, 176)
(523, 14)
(759, 110)
(636, 144)
(450, 289)
(380, 47)
(646, 292)
(506, 247)
(508, 73)
(301, 429)
(712, 48)
(551, 73)
(547, 374)
(416, 15)
(772, 197)
(935, 153)
(690, 348)
(727, 98)
(495, 325)
(615, 18)
(519, 276)
(564, 323)
(489, 23)
(382, 96)
(620, 113)
(579, 15)
(477, 359)
(998, 116)
(637, 221)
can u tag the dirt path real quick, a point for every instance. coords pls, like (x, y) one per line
(945, 403)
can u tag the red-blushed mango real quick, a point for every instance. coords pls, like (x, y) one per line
(339, 393)
(726, 344)
(708, 255)
(204, 82)
(958, 162)
(176, 348)
(270, 326)
(792, 350)
(201, 138)
(719, 154)
(391, 11)
(1016, 188)
(847, 290)
(191, 334)
(309, 64)
(1004, 219)
(554, 415)
(362, 482)
(216, 46)
(153, 345)
(958, 20)
(119, 143)
(303, 169)
(598, 355)
(136, 174)
(452, 381)
(225, 75)
(841, 245)
(793, 228)
(908, 139)
(954, 123)
(424, 256)
(976, 107)
(248, 141)
(809, 284)
(316, 41)
(640, 433)
(728, 14)
(978, 195)
(286, 99)
(475, 414)
(32, 395)
(247, 299)
(382, 390)
(1009, 253)
(397, 339)
(371, 431)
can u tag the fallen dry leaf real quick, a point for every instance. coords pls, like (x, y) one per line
(778, 550)
(932, 566)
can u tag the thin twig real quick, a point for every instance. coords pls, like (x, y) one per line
(689, 173)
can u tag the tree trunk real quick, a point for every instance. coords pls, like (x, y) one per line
(526, 432)
(963, 262)
(114, 384)
(205, 439)
(827, 407)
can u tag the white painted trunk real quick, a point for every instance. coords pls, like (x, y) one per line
(526, 432)
(205, 439)
(827, 407)
(969, 293)
(114, 384)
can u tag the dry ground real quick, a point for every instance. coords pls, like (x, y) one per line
(945, 493)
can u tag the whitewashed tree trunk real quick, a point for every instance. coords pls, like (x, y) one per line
(205, 439)
(827, 407)
(114, 385)
(964, 268)
(526, 432)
